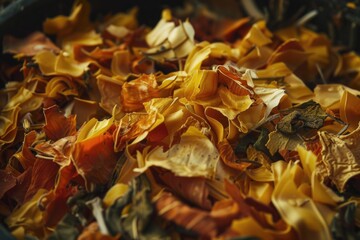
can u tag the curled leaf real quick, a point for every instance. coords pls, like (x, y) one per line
(138, 91)
(28, 219)
(93, 154)
(278, 141)
(193, 189)
(306, 115)
(295, 207)
(57, 125)
(340, 155)
(229, 158)
(349, 110)
(195, 155)
(28, 46)
(8, 126)
(172, 209)
(170, 41)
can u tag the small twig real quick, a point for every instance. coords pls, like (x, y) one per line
(346, 125)
(321, 73)
(97, 211)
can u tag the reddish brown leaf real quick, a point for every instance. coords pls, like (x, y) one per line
(57, 125)
(192, 189)
(229, 158)
(229, 77)
(95, 158)
(7, 182)
(172, 209)
(43, 175)
(17, 193)
(28, 46)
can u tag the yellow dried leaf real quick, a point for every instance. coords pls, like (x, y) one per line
(8, 125)
(120, 63)
(296, 208)
(350, 110)
(340, 155)
(195, 155)
(64, 25)
(329, 95)
(51, 64)
(202, 84)
(233, 101)
(115, 192)
(28, 219)
(94, 128)
(319, 191)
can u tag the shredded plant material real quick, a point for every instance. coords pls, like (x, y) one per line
(115, 130)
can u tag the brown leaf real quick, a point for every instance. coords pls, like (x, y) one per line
(7, 182)
(229, 158)
(28, 46)
(39, 180)
(57, 125)
(95, 159)
(192, 189)
(341, 157)
(172, 209)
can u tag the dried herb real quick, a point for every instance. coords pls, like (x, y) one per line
(344, 226)
(307, 115)
(68, 228)
(138, 222)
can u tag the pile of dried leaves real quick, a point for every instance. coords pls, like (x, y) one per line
(200, 128)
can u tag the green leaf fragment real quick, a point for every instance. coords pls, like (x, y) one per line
(67, 228)
(138, 222)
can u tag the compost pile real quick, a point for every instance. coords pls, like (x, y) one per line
(197, 128)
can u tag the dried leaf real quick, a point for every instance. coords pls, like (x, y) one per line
(340, 155)
(306, 115)
(138, 91)
(295, 207)
(40, 180)
(278, 141)
(349, 110)
(28, 219)
(28, 46)
(115, 192)
(68, 228)
(110, 92)
(329, 95)
(194, 156)
(202, 84)
(229, 158)
(57, 125)
(93, 232)
(205, 50)
(8, 125)
(93, 152)
(51, 64)
(120, 63)
(172, 209)
(7, 182)
(271, 97)
(291, 53)
(63, 25)
(138, 220)
(320, 192)
(192, 189)
(169, 41)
